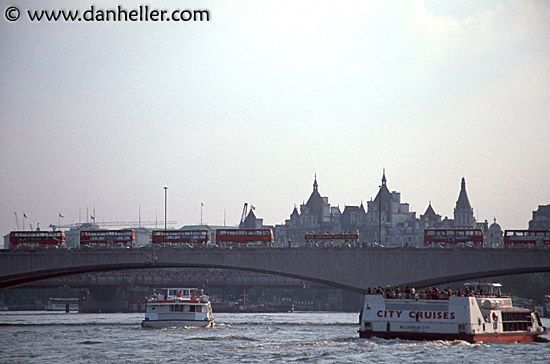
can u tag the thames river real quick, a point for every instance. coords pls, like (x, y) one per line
(319, 337)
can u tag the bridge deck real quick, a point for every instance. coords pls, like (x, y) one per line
(354, 269)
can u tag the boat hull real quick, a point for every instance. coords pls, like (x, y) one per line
(485, 338)
(160, 324)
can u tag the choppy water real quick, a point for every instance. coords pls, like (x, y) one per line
(42, 337)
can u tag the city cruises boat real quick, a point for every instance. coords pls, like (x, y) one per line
(178, 307)
(480, 314)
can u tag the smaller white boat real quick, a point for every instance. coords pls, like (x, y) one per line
(62, 304)
(178, 307)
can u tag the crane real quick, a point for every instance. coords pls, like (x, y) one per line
(245, 212)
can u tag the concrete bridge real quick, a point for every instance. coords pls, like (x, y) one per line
(353, 269)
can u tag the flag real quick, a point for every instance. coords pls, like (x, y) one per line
(24, 215)
(92, 217)
(60, 215)
(253, 207)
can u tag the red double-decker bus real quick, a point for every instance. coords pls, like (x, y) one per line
(244, 238)
(527, 238)
(108, 238)
(37, 239)
(337, 239)
(450, 238)
(180, 238)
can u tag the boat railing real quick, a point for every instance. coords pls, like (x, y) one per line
(433, 294)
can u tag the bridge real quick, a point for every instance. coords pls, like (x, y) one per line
(354, 269)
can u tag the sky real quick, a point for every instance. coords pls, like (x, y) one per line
(250, 105)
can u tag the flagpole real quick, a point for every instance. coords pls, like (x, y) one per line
(202, 205)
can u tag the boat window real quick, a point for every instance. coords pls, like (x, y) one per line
(516, 321)
(177, 308)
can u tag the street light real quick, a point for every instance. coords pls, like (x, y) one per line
(165, 220)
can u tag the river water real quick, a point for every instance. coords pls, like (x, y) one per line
(318, 337)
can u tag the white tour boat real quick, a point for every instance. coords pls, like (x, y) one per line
(178, 307)
(480, 314)
(62, 304)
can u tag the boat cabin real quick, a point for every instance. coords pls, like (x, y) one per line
(176, 294)
(484, 289)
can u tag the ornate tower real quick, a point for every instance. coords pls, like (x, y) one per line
(463, 213)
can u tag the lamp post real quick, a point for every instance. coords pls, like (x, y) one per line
(165, 201)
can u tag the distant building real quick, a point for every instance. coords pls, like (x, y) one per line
(430, 219)
(494, 236)
(315, 216)
(387, 220)
(541, 218)
(251, 221)
(397, 224)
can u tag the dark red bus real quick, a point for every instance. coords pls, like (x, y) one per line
(331, 238)
(244, 237)
(108, 238)
(180, 238)
(449, 238)
(37, 239)
(527, 238)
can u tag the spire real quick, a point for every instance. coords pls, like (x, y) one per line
(384, 177)
(294, 212)
(463, 202)
(315, 185)
(430, 211)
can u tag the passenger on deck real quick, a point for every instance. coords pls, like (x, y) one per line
(389, 292)
(435, 294)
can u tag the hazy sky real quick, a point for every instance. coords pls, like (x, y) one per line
(249, 106)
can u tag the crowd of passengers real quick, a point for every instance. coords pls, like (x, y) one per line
(432, 293)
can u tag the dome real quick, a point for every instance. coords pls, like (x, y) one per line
(495, 227)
